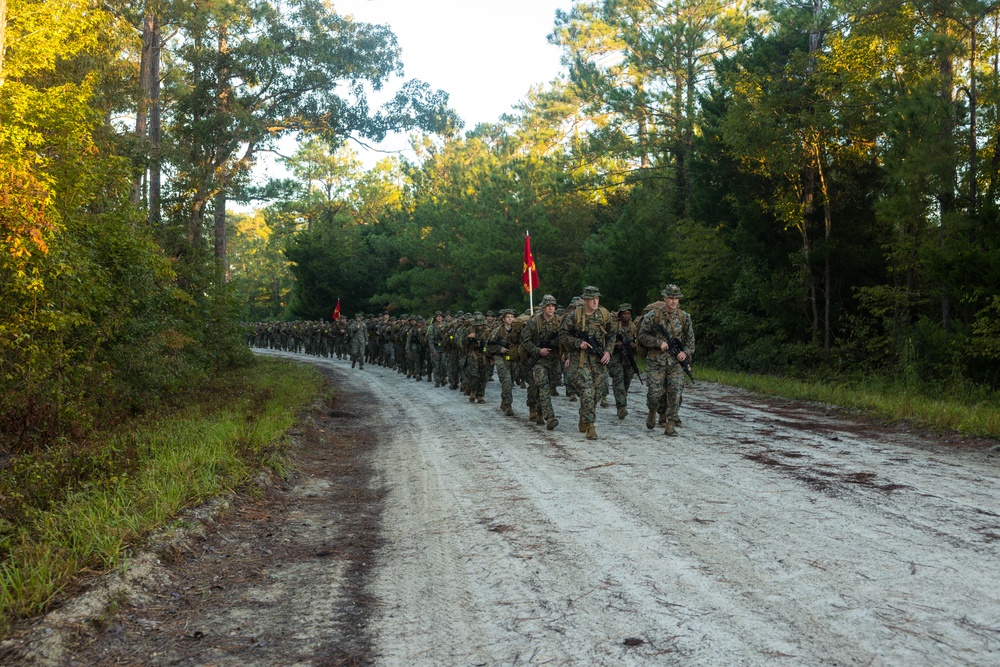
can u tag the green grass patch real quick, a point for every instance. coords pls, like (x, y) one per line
(961, 408)
(75, 507)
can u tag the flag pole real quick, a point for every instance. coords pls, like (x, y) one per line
(531, 295)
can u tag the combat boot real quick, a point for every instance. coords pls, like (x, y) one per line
(622, 412)
(507, 410)
(591, 433)
(480, 399)
(663, 419)
(583, 425)
(532, 413)
(552, 423)
(553, 392)
(604, 402)
(539, 419)
(651, 419)
(676, 420)
(472, 398)
(669, 430)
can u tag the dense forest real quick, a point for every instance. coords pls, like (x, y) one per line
(822, 180)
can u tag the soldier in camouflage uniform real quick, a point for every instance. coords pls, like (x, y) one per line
(620, 369)
(664, 375)
(372, 350)
(477, 363)
(358, 333)
(567, 377)
(540, 342)
(464, 329)
(503, 346)
(451, 351)
(399, 341)
(587, 333)
(415, 350)
(435, 348)
(384, 334)
(341, 341)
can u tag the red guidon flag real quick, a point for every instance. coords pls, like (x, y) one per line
(336, 311)
(529, 275)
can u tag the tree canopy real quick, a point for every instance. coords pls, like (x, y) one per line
(821, 180)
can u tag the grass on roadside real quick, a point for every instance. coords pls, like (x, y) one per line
(961, 409)
(146, 476)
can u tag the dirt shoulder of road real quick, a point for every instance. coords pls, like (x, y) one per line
(216, 581)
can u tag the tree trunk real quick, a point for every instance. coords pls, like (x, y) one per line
(155, 46)
(973, 184)
(197, 220)
(827, 234)
(142, 108)
(946, 196)
(223, 104)
(809, 179)
(220, 235)
(3, 35)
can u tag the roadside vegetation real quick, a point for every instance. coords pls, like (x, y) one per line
(960, 407)
(83, 506)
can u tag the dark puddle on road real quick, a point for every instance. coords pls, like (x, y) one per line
(821, 480)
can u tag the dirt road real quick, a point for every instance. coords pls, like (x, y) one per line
(424, 530)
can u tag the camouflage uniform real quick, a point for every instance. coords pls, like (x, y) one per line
(477, 361)
(589, 370)
(435, 348)
(399, 342)
(620, 369)
(503, 346)
(567, 377)
(664, 375)
(341, 341)
(358, 333)
(416, 350)
(451, 346)
(539, 333)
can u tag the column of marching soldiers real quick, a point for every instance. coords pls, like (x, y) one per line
(582, 347)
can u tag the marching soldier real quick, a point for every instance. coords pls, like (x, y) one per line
(622, 358)
(503, 346)
(666, 331)
(435, 348)
(540, 342)
(477, 360)
(586, 333)
(358, 333)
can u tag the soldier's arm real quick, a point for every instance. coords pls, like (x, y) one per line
(649, 336)
(688, 336)
(529, 338)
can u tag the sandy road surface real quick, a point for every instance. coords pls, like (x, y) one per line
(768, 533)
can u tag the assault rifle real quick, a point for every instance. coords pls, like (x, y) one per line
(545, 343)
(675, 347)
(626, 352)
(595, 346)
(502, 343)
